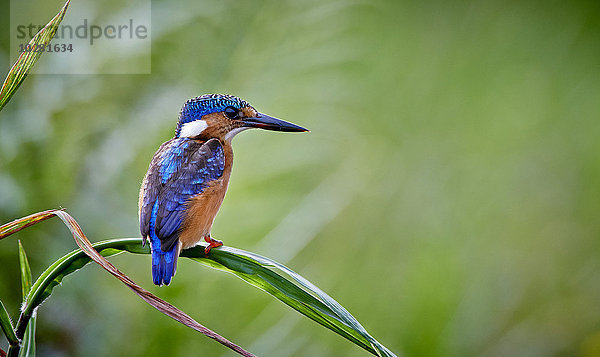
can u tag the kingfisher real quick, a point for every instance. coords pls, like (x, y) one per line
(189, 174)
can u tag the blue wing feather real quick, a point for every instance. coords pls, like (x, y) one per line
(181, 169)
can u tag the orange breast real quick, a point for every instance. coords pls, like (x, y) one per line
(203, 208)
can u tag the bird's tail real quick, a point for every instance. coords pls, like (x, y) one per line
(164, 264)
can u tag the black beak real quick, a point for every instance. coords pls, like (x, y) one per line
(266, 122)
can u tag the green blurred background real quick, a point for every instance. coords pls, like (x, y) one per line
(447, 195)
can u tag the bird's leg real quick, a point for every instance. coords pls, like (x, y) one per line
(212, 243)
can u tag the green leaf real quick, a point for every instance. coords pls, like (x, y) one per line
(254, 269)
(28, 343)
(26, 60)
(70, 263)
(264, 273)
(25, 271)
(7, 326)
(307, 299)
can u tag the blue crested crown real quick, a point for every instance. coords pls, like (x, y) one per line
(196, 108)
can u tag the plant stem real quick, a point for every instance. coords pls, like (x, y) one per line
(22, 324)
(13, 351)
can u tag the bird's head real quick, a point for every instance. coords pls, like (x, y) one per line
(223, 116)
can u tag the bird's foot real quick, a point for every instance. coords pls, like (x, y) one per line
(212, 243)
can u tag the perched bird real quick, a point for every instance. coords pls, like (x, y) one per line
(189, 174)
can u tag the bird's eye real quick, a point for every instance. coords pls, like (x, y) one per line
(232, 113)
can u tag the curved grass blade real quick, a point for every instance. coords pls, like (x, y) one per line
(24, 222)
(312, 302)
(259, 271)
(28, 343)
(340, 312)
(26, 60)
(42, 288)
(227, 259)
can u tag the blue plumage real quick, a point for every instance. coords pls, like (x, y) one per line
(181, 169)
(196, 108)
(164, 264)
(169, 161)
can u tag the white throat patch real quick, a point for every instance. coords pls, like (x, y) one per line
(193, 128)
(234, 132)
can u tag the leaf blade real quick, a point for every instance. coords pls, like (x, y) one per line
(339, 310)
(288, 293)
(18, 224)
(20, 69)
(25, 271)
(28, 342)
(257, 270)
(7, 326)
(348, 327)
